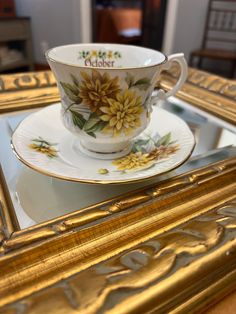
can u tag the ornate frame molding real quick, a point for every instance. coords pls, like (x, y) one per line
(168, 247)
(27, 91)
(210, 93)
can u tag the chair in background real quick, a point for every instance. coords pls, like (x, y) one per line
(219, 41)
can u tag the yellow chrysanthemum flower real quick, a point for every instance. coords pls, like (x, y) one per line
(97, 88)
(110, 54)
(163, 151)
(47, 150)
(134, 161)
(123, 113)
(94, 53)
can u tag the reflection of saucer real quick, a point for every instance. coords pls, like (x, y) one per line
(43, 144)
(62, 197)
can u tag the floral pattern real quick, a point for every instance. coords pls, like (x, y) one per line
(97, 89)
(134, 161)
(44, 147)
(122, 113)
(97, 103)
(86, 54)
(146, 152)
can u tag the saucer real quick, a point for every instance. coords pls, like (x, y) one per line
(45, 145)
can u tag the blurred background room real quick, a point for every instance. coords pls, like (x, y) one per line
(204, 30)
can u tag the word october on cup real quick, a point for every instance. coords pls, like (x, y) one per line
(107, 92)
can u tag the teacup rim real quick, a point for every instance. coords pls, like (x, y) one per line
(105, 68)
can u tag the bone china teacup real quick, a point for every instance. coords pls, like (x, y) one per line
(107, 92)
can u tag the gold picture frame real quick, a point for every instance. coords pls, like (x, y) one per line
(168, 247)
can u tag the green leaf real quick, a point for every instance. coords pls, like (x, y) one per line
(172, 142)
(97, 127)
(70, 87)
(129, 79)
(142, 142)
(164, 140)
(102, 125)
(138, 146)
(93, 115)
(142, 84)
(72, 92)
(144, 80)
(91, 134)
(40, 140)
(142, 87)
(78, 119)
(91, 122)
(75, 80)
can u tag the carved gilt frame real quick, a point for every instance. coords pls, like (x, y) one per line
(168, 247)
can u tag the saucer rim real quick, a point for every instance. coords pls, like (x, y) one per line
(96, 181)
(88, 181)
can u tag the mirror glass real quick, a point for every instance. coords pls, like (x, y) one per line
(37, 198)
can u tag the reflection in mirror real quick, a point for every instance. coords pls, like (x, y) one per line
(37, 198)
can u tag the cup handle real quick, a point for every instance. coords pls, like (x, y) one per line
(179, 58)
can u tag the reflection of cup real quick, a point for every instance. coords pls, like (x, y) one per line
(106, 92)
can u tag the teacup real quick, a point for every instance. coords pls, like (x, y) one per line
(107, 92)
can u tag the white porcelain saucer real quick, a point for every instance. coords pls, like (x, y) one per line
(45, 145)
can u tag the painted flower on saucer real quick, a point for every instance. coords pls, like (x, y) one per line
(44, 147)
(42, 142)
(146, 152)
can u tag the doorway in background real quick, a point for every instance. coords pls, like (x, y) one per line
(135, 22)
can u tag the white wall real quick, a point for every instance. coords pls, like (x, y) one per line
(53, 22)
(170, 25)
(184, 26)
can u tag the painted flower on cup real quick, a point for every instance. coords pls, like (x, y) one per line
(97, 103)
(100, 54)
(110, 54)
(122, 113)
(94, 53)
(97, 89)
